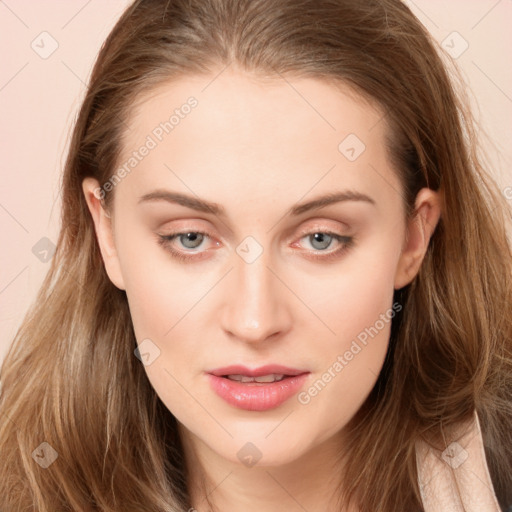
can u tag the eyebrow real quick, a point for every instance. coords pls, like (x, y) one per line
(201, 205)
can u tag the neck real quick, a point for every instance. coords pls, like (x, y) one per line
(310, 482)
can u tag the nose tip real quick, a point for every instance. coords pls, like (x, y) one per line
(252, 332)
(253, 325)
(255, 308)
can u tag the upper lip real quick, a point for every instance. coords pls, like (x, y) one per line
(256, 372)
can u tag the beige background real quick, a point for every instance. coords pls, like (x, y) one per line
(40, 95)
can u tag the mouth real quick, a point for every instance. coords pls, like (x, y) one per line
(237, 372)
(263, 379)
(257, 389)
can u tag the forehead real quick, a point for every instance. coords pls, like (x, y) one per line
(254, 137)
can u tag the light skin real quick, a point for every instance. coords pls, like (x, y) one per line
(258, 149)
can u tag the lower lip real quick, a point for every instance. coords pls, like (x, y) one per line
(253, 396)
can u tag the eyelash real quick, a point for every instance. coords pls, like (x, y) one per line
(346, 241)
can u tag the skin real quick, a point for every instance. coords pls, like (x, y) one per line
(258, 148)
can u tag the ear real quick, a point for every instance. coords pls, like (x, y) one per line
(427, 211)
(104, 232)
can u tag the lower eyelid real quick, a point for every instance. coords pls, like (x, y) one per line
(346, 243)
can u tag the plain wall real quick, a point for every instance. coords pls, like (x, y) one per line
(40, 94)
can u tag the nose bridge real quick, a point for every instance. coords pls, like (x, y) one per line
(256, 307)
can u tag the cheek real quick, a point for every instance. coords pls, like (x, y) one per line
(358, 311)
(161, 304)
(159, 291)
(158, 300)
(168, 302)
(353, 295)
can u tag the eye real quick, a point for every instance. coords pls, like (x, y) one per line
(188, 239)
(321, 240)
(191, 240)
(324, 240)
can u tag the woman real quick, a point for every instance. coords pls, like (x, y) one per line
(283, 278)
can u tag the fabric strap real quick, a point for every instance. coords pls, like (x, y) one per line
(456, 479)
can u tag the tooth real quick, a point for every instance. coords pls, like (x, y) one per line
(269, 378)
(272, 377)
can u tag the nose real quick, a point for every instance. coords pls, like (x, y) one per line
(256, 307)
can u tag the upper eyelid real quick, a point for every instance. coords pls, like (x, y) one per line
(303, 231)
(315, 224)
(319, 227)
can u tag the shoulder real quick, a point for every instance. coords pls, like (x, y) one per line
(456, 477)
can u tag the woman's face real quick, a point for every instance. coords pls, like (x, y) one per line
(252, 284)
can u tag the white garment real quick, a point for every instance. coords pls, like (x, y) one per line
(456, 479)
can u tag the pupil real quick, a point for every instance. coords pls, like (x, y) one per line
(319, 237)
(191, 237)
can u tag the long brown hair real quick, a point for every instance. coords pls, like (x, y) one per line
(70, 378)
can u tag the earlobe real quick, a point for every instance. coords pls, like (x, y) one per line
(104, 232)
(419, 231)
